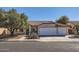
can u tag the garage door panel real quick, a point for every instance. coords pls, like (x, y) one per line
(62, 31)
(52, 31)
(47, 31)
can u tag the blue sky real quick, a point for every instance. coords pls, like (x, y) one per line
(48, 13)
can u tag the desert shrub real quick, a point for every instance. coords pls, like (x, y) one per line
(34, 35)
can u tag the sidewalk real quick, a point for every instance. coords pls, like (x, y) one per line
(47, 39)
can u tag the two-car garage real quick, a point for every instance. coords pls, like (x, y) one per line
(52, 31)
(49, 28)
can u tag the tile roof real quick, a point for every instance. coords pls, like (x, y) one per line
(74, 22)
(40, 22)
(45, 22)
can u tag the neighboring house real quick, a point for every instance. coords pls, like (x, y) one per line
(75, 23)
(71, 29)
(6, 31)
(2, 30)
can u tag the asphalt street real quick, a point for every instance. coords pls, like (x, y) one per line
(39, 46)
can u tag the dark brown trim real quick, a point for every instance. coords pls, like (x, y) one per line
(56, 24)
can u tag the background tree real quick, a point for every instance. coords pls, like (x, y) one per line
(2, 17)
(63, 20)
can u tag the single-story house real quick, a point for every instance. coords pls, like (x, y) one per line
(48, 28)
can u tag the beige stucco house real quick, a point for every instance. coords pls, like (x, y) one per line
(48, 28)
(45, 28)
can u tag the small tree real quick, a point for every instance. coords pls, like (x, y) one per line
(63, 20)
(12, 21)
